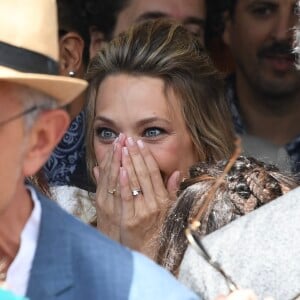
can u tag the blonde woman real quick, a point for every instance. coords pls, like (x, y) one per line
(155, 107)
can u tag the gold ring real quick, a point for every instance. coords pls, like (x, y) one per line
(136, 192)
(112, 192)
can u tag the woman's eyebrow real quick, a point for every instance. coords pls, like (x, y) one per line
(139, 123)
(149, 120)
(105, 120)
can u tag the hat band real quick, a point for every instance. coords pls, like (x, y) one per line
(25, 60)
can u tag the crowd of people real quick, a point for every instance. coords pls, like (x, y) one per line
(123, 115)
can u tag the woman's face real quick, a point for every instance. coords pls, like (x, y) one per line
(140, 108)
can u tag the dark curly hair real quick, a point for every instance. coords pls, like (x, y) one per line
(231, 6)
(103, 14)
(215, 21)
(72, 16)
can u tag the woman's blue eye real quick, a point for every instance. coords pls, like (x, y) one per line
(106, 134)
(153, 132)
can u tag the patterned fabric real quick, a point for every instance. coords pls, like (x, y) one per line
(66, 165)
(292, 148)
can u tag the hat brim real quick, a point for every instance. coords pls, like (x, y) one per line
(63, 89)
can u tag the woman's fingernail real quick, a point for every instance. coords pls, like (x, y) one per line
(125, 150)
(123, 172)
(116, 140)
(115, 146)
(140, 144)
(130, 141)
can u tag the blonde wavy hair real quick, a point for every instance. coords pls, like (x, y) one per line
(166, 50)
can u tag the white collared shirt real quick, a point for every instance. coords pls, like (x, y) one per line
(19, 271)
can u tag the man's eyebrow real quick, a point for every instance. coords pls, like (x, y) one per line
(151, 15)
(156, 15)
(194, 20)
(254, 2)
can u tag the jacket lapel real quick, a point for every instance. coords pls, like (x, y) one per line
(51, 272)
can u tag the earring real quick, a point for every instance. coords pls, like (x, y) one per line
(71, 73)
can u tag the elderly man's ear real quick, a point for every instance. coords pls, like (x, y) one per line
(43, 137)
(71, 47)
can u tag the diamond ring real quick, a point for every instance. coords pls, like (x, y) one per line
(112, 192)
(136, 192)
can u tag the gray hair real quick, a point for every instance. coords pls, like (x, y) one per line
(30, 98)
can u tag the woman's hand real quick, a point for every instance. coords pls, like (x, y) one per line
(131, 197)
(108, 203)
(145, 199)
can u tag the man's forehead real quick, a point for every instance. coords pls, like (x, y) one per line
(11, 92)
(8, 89)
(191, 13)
(9, 98)
(178, 9)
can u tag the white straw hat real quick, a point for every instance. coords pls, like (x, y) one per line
(29, 50)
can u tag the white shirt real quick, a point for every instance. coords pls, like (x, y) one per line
(19, 271)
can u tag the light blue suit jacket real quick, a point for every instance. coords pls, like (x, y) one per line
(75, 262)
